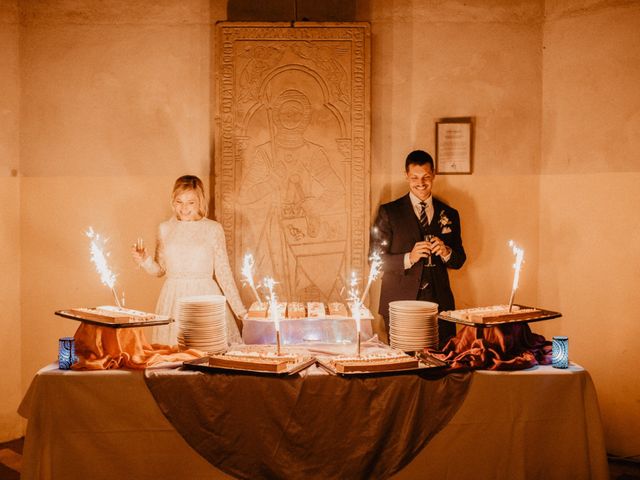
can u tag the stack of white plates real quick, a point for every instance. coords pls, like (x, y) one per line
(413, 325)
(201, 323)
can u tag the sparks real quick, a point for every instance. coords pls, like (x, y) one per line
(247, 274)
(99, 259)
(374, 271)
(269, 283)
(356, 305)
(354, 300)
(519, 253)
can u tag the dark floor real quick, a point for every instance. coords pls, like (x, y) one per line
(11, 457)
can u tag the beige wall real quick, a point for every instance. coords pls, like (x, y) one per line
(589, 225)
(116, 106)
(10, 423)
(116, 103)
(443, 59)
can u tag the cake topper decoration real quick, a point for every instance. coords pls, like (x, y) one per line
(519, 253)
(269, 283)
(99, 259)
(356, 304)
(247, 275)
(374, 270)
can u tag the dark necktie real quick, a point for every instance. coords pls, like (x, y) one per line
(424, 220)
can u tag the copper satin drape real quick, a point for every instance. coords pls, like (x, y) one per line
(313, 426)
(104, 348)
(502, 347)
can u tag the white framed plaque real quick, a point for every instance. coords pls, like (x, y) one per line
(454, 145)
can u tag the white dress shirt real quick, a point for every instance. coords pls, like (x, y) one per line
(417, 208)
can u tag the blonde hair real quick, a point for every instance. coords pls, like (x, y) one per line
(191, 183)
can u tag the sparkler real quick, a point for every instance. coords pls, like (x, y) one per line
(374, 270)
(519, 253)
(356, 305)
(269, 283)
(99, 259)
(247, 274)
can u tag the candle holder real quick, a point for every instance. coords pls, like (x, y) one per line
(560, 352)
(66, 353)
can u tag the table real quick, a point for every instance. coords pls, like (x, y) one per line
(536, 423)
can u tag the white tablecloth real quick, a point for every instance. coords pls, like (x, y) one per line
(541, 423)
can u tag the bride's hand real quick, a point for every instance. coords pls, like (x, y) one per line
(139, 254)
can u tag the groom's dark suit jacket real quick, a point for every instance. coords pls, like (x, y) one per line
(395, 232)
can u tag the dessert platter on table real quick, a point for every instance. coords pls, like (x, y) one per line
(497, 315)
(114, 317)
(382, 362)
(265, 360)
(253, 359)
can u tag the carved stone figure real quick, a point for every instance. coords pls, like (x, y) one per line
(292, 170)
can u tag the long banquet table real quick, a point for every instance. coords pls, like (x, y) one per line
(540, 423)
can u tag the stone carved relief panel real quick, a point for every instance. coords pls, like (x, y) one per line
(292, 157)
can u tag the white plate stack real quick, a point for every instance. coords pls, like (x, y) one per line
(201, 323)
(413, 325)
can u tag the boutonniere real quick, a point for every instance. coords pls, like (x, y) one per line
(444, 222)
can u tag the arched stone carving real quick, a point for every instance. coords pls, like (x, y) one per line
(292, 159)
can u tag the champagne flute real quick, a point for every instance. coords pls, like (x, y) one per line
(139, 245)
(140, 250)
(429, 238)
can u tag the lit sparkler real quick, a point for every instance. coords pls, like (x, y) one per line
(374, 270)
(519, 253)
(247, 274)
(99, 259)
(269, 284)
(356, 305)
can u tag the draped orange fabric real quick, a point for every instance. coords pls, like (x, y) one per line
(502, 347)
(105, 348)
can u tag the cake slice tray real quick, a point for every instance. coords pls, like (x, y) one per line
(160, 320)
(426, 362)
(202, 365)
(541, 314)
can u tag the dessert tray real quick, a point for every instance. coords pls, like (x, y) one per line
(114, 317)
(497, 315)
(368, 366)
(272, 365)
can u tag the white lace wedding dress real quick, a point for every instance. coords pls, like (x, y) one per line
(191, 254)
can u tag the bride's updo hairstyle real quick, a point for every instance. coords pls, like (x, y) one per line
(187, 183)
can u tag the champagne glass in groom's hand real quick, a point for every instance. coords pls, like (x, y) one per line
(429, 239)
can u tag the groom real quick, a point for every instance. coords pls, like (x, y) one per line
(400, 234)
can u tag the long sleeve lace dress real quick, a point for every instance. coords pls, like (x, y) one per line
(193, 255)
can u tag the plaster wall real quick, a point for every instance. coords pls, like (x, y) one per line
(116, 107)
(445, 59)
(589, 232)
(10, 330)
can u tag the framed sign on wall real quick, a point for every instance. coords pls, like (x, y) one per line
(454, 145)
